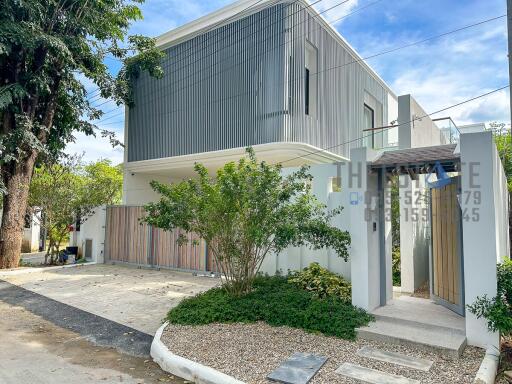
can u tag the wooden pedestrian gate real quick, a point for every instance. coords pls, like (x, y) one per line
(129, 240)
(446, 276)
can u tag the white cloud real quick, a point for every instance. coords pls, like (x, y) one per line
(95, 148)
(333, 10)
(449, 70)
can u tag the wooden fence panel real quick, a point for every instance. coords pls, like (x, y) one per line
(129, 240)
(446, 244)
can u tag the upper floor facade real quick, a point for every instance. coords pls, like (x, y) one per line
(256, 73)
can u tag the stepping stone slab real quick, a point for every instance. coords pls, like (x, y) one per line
(372, 376)
(395, 358)
(298, 369)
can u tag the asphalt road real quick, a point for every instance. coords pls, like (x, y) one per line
(36, 351)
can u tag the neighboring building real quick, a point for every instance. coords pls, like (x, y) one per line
(31, 232)
(89, 235)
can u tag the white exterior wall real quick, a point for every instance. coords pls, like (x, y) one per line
(365, 249)
(485, 236)
(93, 228)
(297, 258)
(30, 242)
(363, 266)
(416, 130)
(30, 239)
(136, 188)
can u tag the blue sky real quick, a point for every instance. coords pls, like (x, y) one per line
(438, 73)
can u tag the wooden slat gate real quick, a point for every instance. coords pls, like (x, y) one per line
(447, 273)
(129, 240)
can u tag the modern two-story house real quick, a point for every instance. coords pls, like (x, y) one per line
(267, 74)
(275, 76)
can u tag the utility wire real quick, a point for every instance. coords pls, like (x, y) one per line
(220, 22)
(322, 71)
(386, 128)
(275, 11)
(263, 43)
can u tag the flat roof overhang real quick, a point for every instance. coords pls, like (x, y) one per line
(418, 160)
(291, 154)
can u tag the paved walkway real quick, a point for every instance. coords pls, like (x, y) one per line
(137, 298)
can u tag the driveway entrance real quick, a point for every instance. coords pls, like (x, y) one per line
(137, 298)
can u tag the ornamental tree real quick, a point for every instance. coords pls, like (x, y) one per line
(77, 190)
(46, 48)
(248, 210)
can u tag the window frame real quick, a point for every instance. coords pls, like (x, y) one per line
(365, 108)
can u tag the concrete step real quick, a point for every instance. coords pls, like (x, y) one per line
(423, 312)
(372, 376)
(448, 342)
(395, 358)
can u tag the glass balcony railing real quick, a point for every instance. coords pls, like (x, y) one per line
(383, 138)
(449, 132)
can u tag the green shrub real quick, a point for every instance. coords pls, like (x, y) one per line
(322, 282)
(396, 268)
(498, 310)
(276, 302)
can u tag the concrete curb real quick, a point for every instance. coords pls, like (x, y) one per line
(22, 271)
(488, 368)
(185, 368)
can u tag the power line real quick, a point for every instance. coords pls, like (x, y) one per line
(220, 22)
(386, 128)
(261, 53)
(264, 42)
(359, 9)
(325, 70)
(263, 27)
(205, 46)
(271, 37)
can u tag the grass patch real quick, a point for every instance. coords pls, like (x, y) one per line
(277, 302)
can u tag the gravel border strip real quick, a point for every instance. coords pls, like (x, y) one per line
(185, 368)
(249, 352)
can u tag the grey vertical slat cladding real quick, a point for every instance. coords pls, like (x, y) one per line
(205, 101)
(242, 84)
(341, 88)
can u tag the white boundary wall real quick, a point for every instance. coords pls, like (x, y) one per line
(296, 258)
(485, 235)
(94, 229)
(360, 217)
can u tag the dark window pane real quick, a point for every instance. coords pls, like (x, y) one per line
(307, 91)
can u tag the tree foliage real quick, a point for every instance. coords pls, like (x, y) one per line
(246, 212)
(503, 141)
(69, 191)
(497, 310)
(48, 50)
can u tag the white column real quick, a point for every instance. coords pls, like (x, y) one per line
(480, 232)
(364, 251)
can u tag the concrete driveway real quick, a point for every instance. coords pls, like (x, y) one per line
(138, 298)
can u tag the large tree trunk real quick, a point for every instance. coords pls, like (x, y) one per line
(14, 209)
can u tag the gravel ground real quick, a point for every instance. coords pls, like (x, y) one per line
(249, 352)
